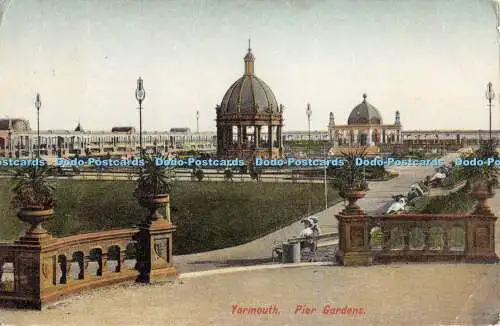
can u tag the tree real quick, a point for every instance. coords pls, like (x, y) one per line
(199, 174)
(228, 174)
(254, 172)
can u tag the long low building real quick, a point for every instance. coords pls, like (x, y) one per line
(17, 139)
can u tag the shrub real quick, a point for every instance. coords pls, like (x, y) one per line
(32, 189)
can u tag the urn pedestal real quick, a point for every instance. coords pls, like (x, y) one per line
(154, 241)
(354, 244)
(480, 245)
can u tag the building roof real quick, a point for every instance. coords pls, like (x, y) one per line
(79, 128)
(364, 113)
(16, 125)
(123, 129)
(249, 94)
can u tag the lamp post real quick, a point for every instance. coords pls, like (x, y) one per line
(309, 113)
(496, 9)
(140, 95)
(38, 105)
(490, 96)
(197, 121)
(10, 142)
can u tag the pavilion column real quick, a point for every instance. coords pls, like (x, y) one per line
(278, 135)
(228, 136)
(270, 136)
(369, 137)
(255, 135)
(240, 134)
(244, 135)
(259, 137)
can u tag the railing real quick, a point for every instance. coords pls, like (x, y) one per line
(67, 264)
(419, 237)
(37, 270)
(364, 240)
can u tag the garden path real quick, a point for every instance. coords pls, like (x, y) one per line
(259, 250)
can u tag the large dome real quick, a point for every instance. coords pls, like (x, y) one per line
(249, 94)
(364, 114)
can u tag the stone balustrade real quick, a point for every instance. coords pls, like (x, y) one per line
(39, 269)
(364, 240)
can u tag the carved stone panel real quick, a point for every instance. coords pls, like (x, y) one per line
(357, 237)
(482, 238)
(160, 252)
(27, 273)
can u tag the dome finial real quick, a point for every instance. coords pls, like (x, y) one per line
(249, 61)
(364, 97)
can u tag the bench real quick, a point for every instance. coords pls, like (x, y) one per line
(308, 246)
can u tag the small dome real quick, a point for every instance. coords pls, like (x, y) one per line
(249, 94)
(364, 113)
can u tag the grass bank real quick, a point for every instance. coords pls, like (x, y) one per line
(209, 215)
(456, 202)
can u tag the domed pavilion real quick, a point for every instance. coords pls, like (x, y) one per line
(249, 118)
(365, 128)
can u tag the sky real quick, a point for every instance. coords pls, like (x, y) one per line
(429, 59)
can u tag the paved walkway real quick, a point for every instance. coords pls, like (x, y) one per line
(431, 294)
(375, 201)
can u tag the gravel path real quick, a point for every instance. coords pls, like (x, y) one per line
(398, 294)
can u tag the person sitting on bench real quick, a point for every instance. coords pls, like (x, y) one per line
(310, 232)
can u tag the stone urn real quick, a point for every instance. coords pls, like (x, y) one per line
(153, 203)
(352, 197)
(35, 216)
(481, 193)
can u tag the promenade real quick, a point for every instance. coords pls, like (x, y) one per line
(396, 294)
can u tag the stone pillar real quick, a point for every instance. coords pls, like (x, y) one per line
(480, 229)
(354, 235)
(154, 243)
(369, 137)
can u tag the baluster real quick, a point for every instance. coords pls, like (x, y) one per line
(426, 230)
(446, 237)
(386, 243)
(406, 236)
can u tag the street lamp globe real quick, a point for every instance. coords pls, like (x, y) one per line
(490, 93)
(38, 102)
(490, 96)
(140, 93)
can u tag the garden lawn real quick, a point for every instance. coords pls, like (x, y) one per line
(208, 215)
